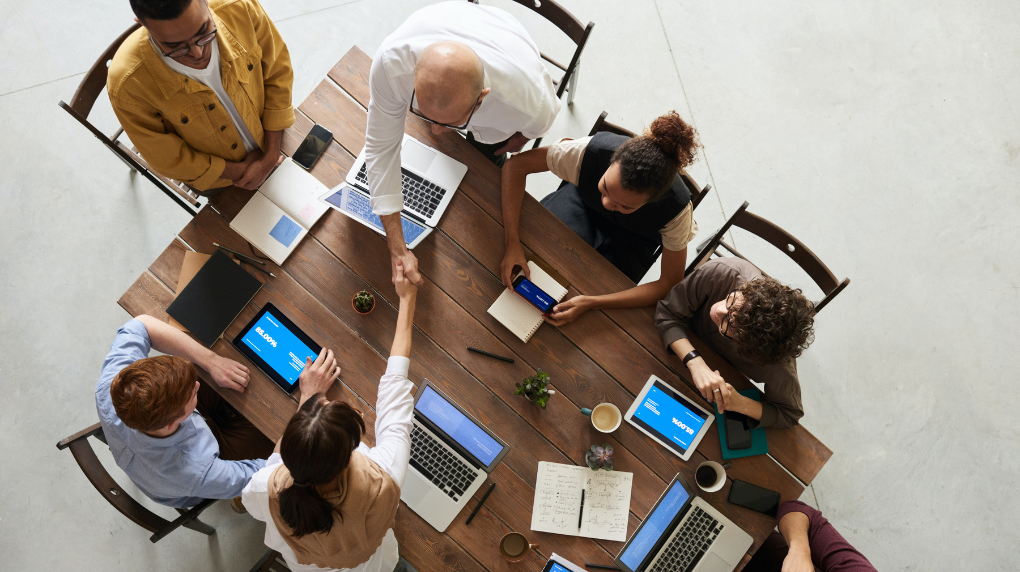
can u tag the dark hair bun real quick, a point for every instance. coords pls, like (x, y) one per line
(675, 137)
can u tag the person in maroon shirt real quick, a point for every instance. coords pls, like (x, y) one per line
(805, 542)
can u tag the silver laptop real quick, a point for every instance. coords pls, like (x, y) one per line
(429, 179)
(683, 533)
(451, 455)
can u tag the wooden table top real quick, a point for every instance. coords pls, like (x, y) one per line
(603, 356)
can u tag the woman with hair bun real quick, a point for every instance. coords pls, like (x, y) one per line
(623, 196)
(329, 500)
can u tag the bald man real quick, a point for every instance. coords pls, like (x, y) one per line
(457, 65)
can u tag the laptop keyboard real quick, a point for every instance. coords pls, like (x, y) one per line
(437, 464)
(684, 552)
(420, 195)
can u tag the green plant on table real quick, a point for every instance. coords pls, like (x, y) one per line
(534, 388)
(600, 457)
(364, 301)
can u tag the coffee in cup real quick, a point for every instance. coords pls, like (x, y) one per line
(710, 476)
(514, 546)
(606, 417)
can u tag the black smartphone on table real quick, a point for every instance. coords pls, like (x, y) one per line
(738, 431)
(754, 497)
(534, 294)
(313, 146)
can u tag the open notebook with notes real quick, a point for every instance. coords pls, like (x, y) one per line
(517, 314)
(566, 495)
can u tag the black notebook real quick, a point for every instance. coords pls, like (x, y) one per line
(213, 298)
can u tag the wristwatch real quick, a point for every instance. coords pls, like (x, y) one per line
(690, 356)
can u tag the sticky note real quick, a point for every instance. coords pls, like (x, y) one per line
(308, 211)
(285, 231)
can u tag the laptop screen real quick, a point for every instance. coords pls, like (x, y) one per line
(432, 406)
(655, 526)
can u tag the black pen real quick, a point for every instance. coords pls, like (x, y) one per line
(257, 268)
(494, 356)
(480, 503)
(245, 256)
(579, 516)
(601, 566)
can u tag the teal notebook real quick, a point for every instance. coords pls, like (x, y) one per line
(759, 444)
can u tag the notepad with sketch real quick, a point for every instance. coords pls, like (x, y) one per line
(558, 501)
(280, 214)
(516, 313)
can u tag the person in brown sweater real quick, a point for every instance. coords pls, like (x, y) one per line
(755, 323)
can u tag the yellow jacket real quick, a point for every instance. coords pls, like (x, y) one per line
(175, 122)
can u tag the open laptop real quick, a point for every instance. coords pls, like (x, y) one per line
(429, 180)
(451, 455)
(683, 533)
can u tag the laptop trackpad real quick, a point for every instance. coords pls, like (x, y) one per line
(414, 490)
(417, 156)
(713, 563)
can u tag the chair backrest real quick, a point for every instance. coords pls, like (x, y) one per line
(96, 473)
(84, 99)
(779, 238)
(697, 192)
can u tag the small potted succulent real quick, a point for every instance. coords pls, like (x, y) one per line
(534, 388)
(600, 457)
(363, 302)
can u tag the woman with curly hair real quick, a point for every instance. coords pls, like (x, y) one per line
(623, 196)
(754, 322)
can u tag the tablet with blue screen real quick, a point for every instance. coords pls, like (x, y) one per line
(278, 347)
(664, 414)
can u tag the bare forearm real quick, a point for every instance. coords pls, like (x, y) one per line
(233, 171)
(794, 527)
(394, 234)
(273, 141)
(636, 297)
(512, 198)
(405, 324)
(169, 340)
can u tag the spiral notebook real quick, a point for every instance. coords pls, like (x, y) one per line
(516, 313)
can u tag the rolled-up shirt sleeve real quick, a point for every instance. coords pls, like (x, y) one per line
(226, 479)
(673, 314)
(383, 137)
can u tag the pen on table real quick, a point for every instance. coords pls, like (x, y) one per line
(601, 566)
(494, 356)
(582, 511)
(245, 256)
(257, 268)
(480, 503)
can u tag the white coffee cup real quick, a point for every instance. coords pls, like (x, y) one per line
(719, 473)
(605, 417)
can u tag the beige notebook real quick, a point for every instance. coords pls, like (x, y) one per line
(516, 313)
(602, 510)
(280, 214)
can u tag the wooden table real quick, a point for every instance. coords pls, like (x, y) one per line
(603, 356)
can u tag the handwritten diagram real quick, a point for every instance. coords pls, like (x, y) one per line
(558, 501)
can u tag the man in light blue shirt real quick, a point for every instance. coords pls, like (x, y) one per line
(147, 409)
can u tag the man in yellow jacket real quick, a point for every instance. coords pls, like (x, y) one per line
(203, 90)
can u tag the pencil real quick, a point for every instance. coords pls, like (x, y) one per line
(257, 268)
(480, 503)
(245, 256)
(494, 356)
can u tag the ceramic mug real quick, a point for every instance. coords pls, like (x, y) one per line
(514, 546)
(710, 476)
(605, 417)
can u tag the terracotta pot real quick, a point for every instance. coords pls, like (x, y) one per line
(359, 311)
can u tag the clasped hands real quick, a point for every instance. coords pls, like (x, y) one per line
(713, 387)
(257, 167)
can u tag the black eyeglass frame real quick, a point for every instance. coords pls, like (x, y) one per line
(724, 326)
(416, 113)
(200, 42)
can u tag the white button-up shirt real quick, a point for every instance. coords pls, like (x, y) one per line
(522, 99)
(394, 411)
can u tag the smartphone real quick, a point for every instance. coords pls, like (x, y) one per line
(313, 146)
(738, 432)
(534, 294)
(754, 497)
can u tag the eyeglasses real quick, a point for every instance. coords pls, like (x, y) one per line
(180, 53)
(414, 111)
(724, 327)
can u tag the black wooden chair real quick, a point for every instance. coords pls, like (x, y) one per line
(697, 192)
(115, 495)
(81, 105)
(271, 561)
(572, 27)
(795, 249)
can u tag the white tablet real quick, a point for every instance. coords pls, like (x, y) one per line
(665, 415)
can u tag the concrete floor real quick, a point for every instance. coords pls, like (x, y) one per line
(884, 135)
